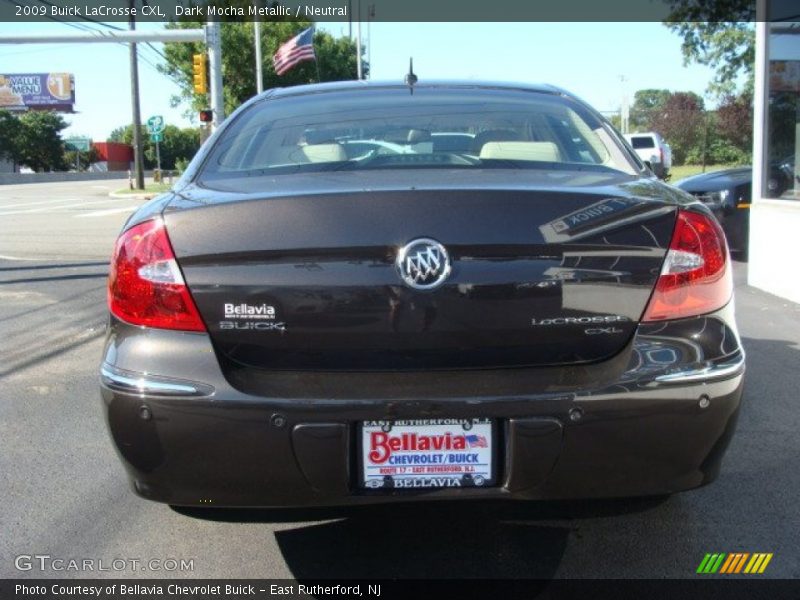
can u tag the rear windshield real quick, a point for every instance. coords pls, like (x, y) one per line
(434, 128)
(642, 142)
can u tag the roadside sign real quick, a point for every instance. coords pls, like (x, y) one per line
(156, 137)
(78, 143)
(155, 124)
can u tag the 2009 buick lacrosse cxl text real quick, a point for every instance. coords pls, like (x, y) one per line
(365, 292)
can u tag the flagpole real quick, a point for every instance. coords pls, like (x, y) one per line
(316, 58)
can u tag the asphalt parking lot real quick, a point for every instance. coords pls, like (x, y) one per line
(64, 493)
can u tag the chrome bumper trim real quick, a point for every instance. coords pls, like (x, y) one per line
(729, 367)
(150, 385)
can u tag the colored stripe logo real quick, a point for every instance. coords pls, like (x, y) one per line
(734, 562)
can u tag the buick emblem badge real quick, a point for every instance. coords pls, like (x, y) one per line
(423, 264)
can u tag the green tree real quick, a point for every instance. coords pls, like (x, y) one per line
(646, 104)
(119, 134)
(336, 59)
(616, 121)
(177, 144)
(720, 35)
(735, 122)
(682, 123)
(10, 129)
(711, 146)
(678, 116)
(39, 143)
(83, 158)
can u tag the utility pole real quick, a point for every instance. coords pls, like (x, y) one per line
(138, 150)
(358, 43)
(624, 116)
(259, 66)
(370, 17)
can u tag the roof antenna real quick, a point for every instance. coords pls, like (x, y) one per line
(410, 78)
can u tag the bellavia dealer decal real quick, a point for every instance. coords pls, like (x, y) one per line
(253, 317)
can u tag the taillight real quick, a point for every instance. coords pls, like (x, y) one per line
(696, 277)
(145, 285)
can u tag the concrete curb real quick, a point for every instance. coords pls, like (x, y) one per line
(142, 196)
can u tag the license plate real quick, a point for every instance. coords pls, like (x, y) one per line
(427, 453)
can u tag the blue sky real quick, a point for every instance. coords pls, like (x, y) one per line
(587, 59)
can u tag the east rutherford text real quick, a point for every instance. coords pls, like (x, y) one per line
(322, 590)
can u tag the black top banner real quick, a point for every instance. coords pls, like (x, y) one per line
(389, 10)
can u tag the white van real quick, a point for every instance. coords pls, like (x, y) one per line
(653, 150)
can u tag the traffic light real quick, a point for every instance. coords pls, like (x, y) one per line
(206, 116)
(200, 77)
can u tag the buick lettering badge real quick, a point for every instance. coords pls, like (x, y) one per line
(423, 264)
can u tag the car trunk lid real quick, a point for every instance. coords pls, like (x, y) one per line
(539, 274)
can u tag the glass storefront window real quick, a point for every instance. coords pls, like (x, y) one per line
(782, 169)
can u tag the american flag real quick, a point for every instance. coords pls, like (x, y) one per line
(477, 441)
(296, 50)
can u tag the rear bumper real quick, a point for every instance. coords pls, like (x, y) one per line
(656, 419)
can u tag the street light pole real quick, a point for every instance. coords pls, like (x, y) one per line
(259, 70)
(138, 150)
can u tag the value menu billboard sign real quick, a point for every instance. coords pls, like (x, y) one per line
(39, 91)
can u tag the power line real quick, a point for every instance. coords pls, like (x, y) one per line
(46, 16)
(88, 19)
(156, 50)
(87, 28)
(153, 48)
(108, 25)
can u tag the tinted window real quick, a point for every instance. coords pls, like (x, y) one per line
(642, 142)
(390, 128)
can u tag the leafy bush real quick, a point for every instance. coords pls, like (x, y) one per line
(181, 164)
(719, 152)
(176, 144)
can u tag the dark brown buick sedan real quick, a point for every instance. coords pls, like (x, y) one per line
(374, 292)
